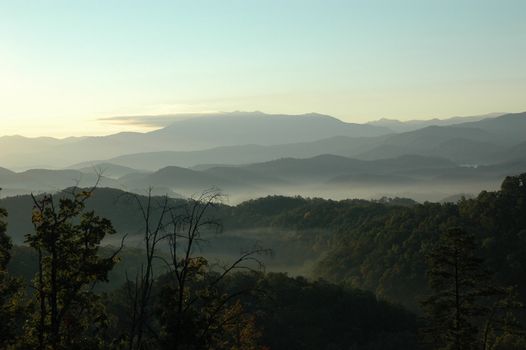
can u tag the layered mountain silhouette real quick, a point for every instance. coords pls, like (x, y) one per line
(46, 180)
(264, 137)
(254, 154)
(324, 175)
(411, 125)
(481, 142)
(226, 129)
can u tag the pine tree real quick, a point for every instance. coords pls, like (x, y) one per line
(461, 288)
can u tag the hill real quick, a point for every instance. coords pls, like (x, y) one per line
(217, 130)
(411, 125)
(177, 177)
(481, 142)
(46, 180)
(374, 245)
(238, 138)
(110, 170)
(328, 175)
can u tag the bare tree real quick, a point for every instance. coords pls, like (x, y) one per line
(193, 307)
(140, 291)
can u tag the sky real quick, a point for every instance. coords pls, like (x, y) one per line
(65, 65)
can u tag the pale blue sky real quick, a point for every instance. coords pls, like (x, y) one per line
(63, 64)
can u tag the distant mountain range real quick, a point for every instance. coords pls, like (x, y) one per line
(424, 177)
(256, 154)
(226, 129)
(411, 125)
(487, 141)
(45, 180)
(220, 134)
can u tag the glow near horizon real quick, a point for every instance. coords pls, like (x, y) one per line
(65, 64)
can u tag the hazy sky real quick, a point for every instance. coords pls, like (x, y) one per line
(64, 64)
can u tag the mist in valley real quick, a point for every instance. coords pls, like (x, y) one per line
(263, 175)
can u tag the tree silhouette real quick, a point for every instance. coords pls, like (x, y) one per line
(194, 311)
(9, 289)
(463, 292)
(186, 308)
(67, 313)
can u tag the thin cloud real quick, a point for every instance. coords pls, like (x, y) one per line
(151, 121)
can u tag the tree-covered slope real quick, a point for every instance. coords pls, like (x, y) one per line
(386, 254)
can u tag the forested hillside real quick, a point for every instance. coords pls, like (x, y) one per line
(386, 253)
(379, 247)
(263, 175)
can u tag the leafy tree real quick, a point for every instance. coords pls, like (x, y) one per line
(9, 289)
(66, 312)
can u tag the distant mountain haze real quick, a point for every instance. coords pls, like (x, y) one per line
(330, 176)
(109, 170)
(242, 154)
(239, 137)
(45, 180)
(263, 129)
(467, 143)
(411, 125)
(226, 129)
(256, 154)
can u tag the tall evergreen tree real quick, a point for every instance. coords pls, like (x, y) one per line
(462, 291)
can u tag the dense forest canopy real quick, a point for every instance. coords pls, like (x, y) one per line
(368, 257)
